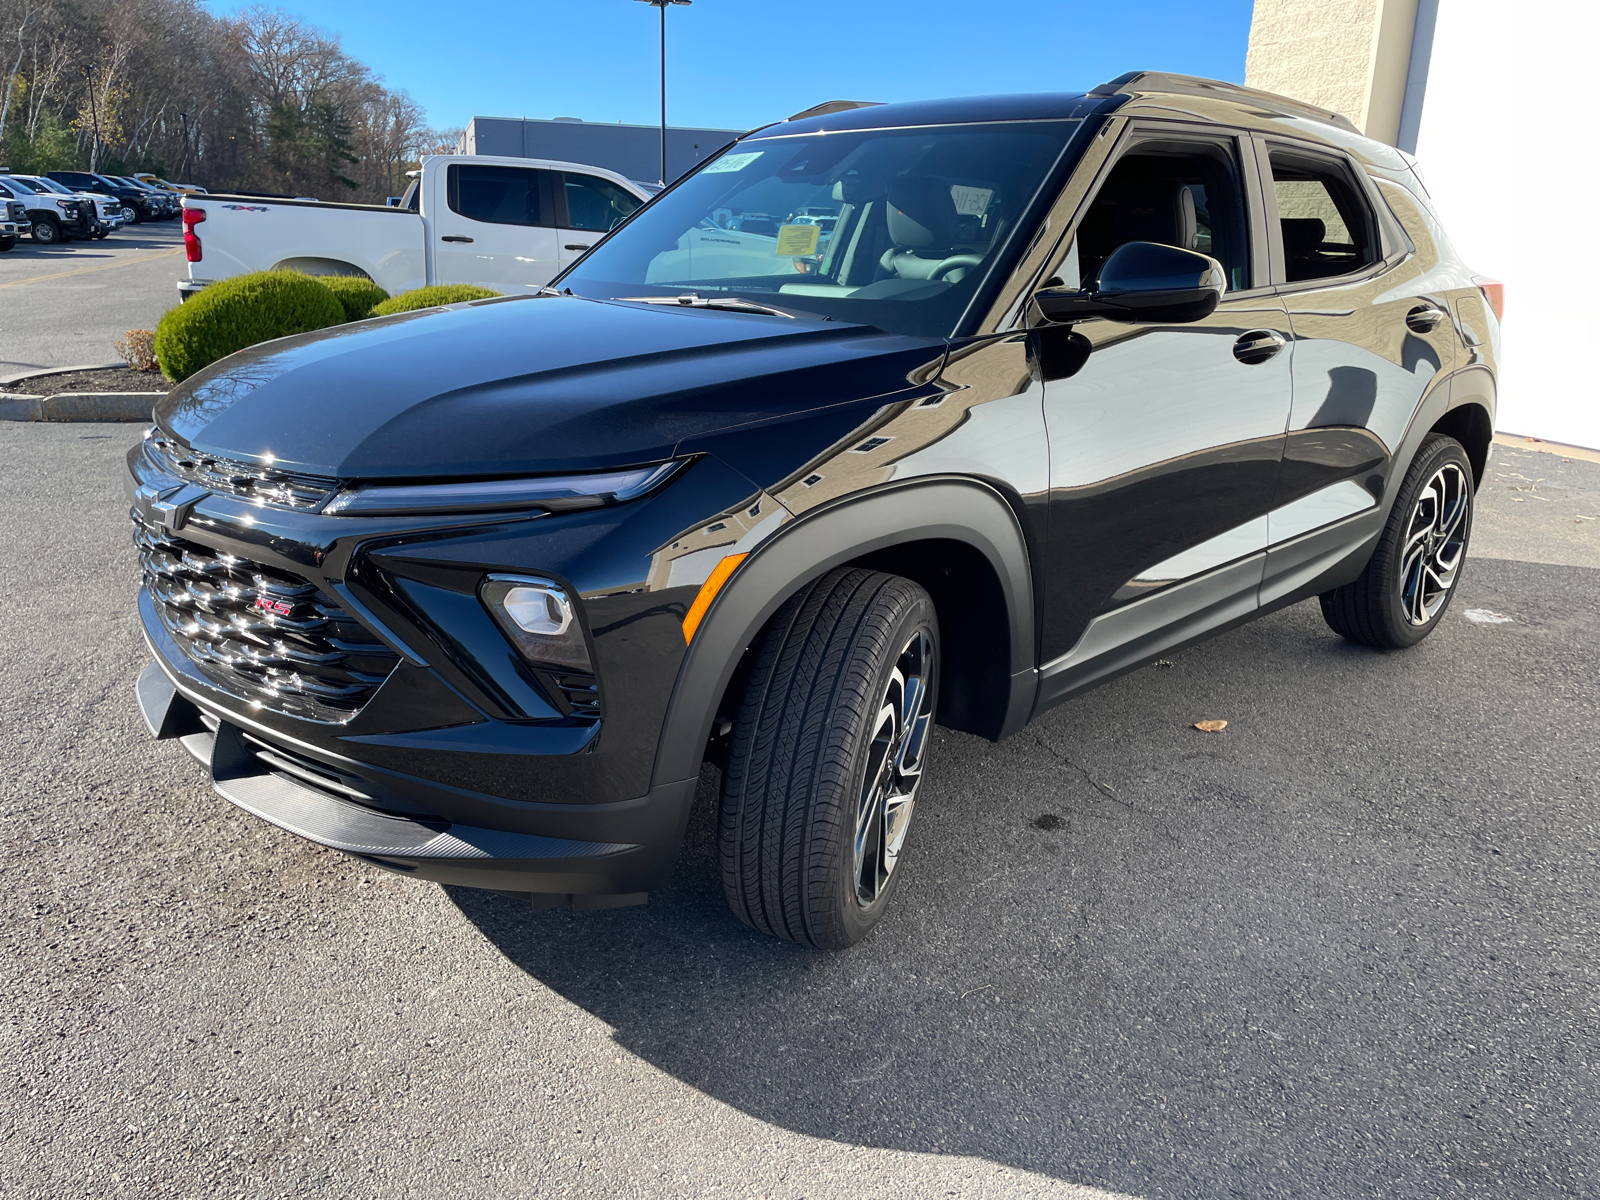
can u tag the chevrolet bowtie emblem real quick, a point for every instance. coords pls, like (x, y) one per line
(170, 507)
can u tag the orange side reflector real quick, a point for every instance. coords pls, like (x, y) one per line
(708, 593)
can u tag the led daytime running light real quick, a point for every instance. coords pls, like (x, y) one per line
(550, 494)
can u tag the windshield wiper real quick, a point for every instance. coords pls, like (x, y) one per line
(695, 300)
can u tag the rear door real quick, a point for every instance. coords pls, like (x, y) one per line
(1371, 338)
(494, 226)
(590, 208)
(1165, 440)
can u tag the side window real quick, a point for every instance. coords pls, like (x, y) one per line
(1185, 194)
(596, 204)
(1328, 229)
(499, 195)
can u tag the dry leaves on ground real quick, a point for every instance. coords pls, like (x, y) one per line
(1210, 726)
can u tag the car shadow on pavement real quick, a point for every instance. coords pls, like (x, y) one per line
(1136, 956)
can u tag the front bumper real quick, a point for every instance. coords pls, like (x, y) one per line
(589, 856)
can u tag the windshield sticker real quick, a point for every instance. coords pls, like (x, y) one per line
(797, 240)
(732, 162)
(971, 201)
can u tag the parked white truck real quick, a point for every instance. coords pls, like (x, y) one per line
(504, 223)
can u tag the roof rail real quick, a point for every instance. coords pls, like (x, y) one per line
(833, 106)
(1193, 85)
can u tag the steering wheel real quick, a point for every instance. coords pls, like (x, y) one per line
(954, 261)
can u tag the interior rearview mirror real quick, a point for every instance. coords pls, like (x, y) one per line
(1142, 281)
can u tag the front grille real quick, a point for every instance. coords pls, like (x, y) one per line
(262, 633)
(264, 485)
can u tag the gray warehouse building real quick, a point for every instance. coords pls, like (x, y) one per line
(630, 150)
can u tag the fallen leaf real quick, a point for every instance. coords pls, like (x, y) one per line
(1210, 726)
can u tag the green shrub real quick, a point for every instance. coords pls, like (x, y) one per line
(356, 292)
(432, 297)
(234, 313)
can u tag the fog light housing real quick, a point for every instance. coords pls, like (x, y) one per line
(539, 618)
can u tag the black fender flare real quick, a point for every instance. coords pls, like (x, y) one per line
(1473, 384)
(948, 508)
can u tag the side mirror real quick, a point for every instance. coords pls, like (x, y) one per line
(1143, 281)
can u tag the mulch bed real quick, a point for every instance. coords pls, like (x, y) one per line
(113, 379)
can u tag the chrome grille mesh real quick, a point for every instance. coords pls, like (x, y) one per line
(282, 489)
(269, 635)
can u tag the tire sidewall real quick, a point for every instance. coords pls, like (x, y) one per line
(50, 228)
(1436, 452)
(847, 920)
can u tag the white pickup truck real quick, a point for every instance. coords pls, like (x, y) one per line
(504, 223)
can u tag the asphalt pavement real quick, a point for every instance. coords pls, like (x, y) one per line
(1344, 948)
(63, 306)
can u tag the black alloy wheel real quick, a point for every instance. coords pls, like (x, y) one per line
(47, 231)
(827, 756)
(1412, 575)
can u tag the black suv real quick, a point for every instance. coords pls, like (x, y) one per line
(929, 412)
(138, 203)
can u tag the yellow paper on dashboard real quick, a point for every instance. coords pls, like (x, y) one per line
(798, 240)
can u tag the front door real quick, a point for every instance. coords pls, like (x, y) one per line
(1165, 440)
(494, 226)
(592, 207)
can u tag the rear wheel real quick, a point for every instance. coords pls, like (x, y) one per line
(47, 231)
(826, 758)
(1407, 585)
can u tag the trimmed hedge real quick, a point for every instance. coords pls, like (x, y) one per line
(432, 297)
(356, 292)
(234, 313)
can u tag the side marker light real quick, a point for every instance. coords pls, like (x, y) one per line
(708, 592)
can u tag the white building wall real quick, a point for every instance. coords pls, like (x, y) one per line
(1505, 145)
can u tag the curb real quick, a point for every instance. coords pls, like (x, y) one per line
(80, 406)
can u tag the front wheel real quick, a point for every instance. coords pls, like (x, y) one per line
(1407, 585)
(827, 756)
(47, 231)
(7, 242)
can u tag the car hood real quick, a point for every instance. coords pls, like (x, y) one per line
(532, 385)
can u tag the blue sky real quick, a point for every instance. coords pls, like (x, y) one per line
(740, 63)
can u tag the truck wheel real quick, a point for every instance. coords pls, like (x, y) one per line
(1408, 583)
(132, 214)
(826, 756)
(47, 231)
(7, 242)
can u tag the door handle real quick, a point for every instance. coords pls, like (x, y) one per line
(1424, 318)
(572, 246)
(1258, 345)
(450, 237)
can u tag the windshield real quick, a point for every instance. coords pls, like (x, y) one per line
(19, 187)
(888, 227)
(48, 185)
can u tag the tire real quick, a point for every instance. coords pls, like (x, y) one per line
(133, 215)
(6, 243)
(1412, 575)
(826, 756)
(47, 231)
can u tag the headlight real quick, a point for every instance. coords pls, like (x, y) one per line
(538, 616)
(552, 494)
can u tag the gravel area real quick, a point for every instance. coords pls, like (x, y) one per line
(1345, 948)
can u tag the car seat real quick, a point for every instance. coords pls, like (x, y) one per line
(923, 227)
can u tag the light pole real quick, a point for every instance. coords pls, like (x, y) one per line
(183, 171)
(662, 5)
